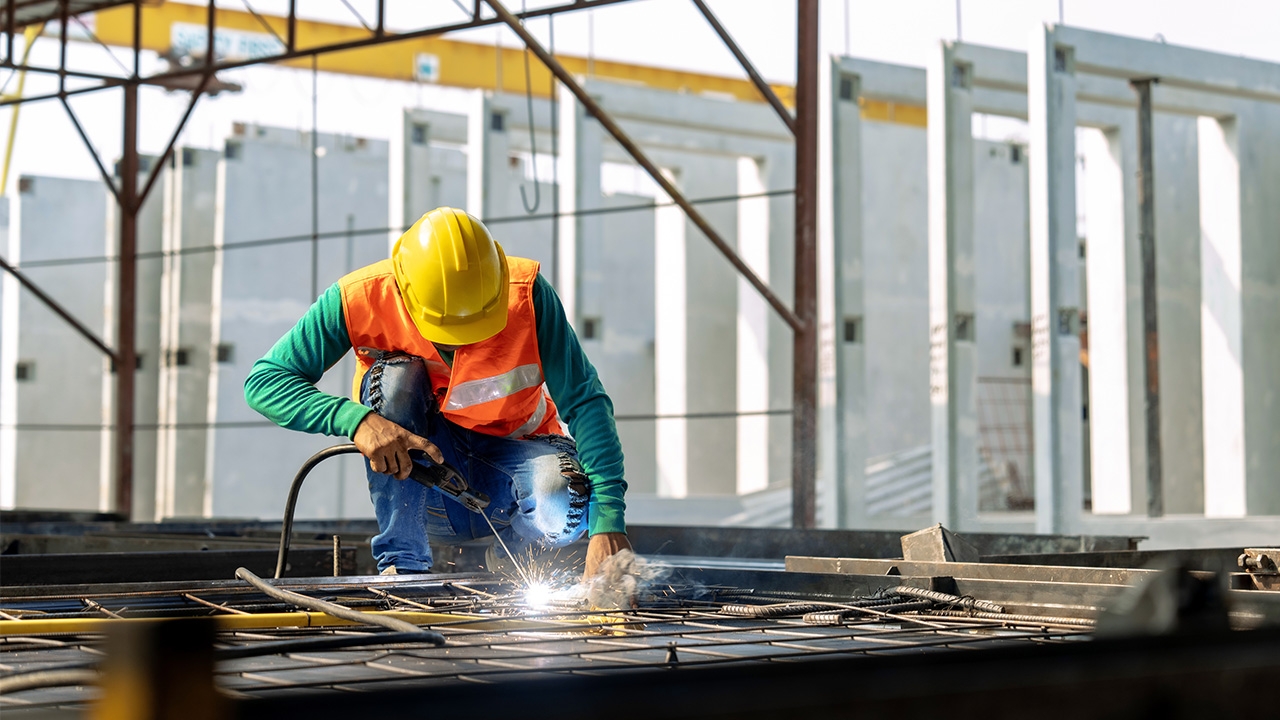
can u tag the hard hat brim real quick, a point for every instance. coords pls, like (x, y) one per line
(467, 333)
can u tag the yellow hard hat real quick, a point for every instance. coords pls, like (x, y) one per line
(452, 277)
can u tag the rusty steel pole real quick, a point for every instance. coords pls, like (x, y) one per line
(804, 427)
(126, 305)
(1150, 308)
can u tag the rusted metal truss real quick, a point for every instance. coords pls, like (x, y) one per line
(801, 317)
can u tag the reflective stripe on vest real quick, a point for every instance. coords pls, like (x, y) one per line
(538, 416)
(474, 392)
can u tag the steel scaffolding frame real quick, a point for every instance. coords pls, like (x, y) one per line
(802, 318)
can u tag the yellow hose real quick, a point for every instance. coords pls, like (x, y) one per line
(262, 621)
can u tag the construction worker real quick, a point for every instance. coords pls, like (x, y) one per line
(463, 356)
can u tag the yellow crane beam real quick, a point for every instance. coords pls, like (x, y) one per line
(457, 63)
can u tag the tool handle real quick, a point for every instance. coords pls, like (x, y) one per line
(448, 480)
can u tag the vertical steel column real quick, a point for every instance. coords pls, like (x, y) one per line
(804, 436)
(1150, 331)
(126, 323)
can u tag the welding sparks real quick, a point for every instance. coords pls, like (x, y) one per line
(538, 595)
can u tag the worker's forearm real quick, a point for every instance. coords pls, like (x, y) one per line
(586, 409)
(281, 385)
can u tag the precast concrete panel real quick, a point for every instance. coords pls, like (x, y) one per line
(186, 308)
(55, 411)
(895, 280)
(711, 150)
(428, 166)
(516, 208)
(879, 274)
(261, 290)
(1178, 312)
(1223, 91)
(621, 341)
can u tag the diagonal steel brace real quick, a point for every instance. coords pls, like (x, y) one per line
(638, 155)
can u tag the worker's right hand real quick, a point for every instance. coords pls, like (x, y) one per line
(387, 446)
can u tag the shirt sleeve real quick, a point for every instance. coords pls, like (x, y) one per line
(282, 385)
(585, 407)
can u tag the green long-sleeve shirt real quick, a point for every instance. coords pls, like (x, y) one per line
(281, 386)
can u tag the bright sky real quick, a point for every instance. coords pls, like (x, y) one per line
(667, 33)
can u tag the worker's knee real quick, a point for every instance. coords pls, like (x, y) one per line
(557, 503)
(398, 388)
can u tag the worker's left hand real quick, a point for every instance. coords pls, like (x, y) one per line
(601, 546)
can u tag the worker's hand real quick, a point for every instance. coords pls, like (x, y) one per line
(387, 446)
(602, 546)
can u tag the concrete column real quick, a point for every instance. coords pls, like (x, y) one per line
(1055, 285)
(189, 197)
(753, 332)
(848, 325)
(1259, 182)
(1221, 344)
(953, 380)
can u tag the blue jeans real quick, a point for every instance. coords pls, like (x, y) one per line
(537, 490)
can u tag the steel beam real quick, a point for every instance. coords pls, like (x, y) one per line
(58, 309)
(804, 426)
(608, 123)
(126, 305)
(756, 79)
(1150, 308)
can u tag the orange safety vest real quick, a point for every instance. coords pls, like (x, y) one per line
(494, 387)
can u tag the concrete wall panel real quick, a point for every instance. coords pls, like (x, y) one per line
(265, 193)
(57, 467)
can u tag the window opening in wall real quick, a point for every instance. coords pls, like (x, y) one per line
(590, 328)
(418, 134)
(25, 370)
(846, 87)
(964, 327)
(853, 329)
(178, 356)
(188, 157)
(1017, 357)
(1015, 154)
(226, 352)
(26, 184)
(231, 151)
(497, 122)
